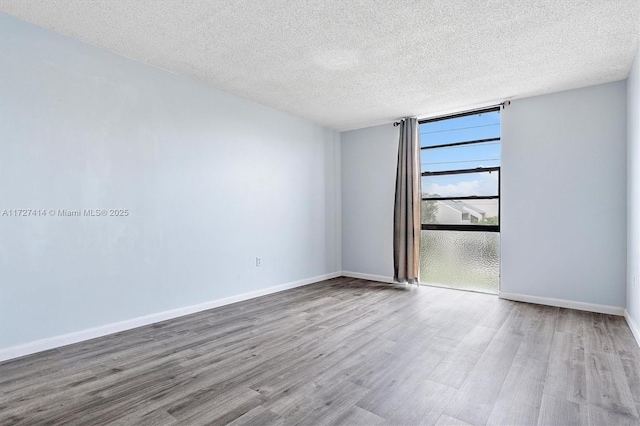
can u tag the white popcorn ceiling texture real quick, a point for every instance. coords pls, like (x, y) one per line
(357, 63)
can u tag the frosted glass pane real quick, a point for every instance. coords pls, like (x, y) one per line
(463, 260)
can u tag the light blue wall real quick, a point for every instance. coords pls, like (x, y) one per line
(369, 158)
(211, 181)
(633, 191)
(563, 199)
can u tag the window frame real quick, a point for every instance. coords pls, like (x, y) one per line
(463, 227)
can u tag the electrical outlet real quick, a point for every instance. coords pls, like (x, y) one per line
(258, 262)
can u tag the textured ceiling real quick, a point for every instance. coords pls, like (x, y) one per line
(357, 63)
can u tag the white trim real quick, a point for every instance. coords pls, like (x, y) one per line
(369, 277)
(563, 303)
(92, 333)
(633, 326)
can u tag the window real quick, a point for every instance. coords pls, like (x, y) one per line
(460, 167)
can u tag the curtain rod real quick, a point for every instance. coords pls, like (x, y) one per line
(502, 104)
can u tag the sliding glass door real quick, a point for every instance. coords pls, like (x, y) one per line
(460, 162)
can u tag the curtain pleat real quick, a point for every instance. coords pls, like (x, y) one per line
(406, 214)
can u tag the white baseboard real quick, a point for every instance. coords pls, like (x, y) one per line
(633, 326)
(92, 333)
(369, 277)
(563, 303)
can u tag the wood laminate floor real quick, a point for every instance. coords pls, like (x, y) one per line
(343, 351)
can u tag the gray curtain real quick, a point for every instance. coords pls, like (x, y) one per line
(406, 214)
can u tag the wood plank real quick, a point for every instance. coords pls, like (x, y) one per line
(259, 416)
(607, 384)
(623, 340)
(560, 412)
(632, 372)
(357, 416)
(454, 369)
(146, 418)
(566, 374)
(422, 404)
(405, 396)
(536, 343)
(475, 399)
(207, 406)
(445, 420)
(315, 403)
(495, 313)
(521, 395)
(600, 416)
(572, 322)
(598, 334)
